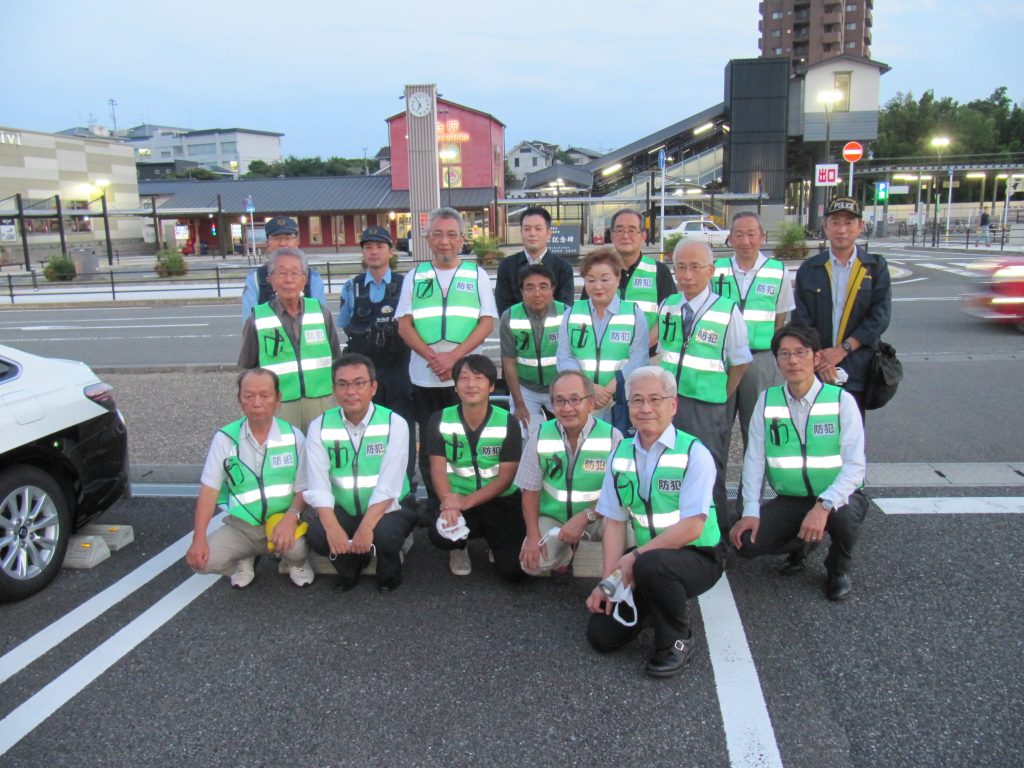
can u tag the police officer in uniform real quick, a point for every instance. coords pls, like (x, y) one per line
(659, 483)
(282, 232)
(367, 316)
(560, 477)
(703, 343)
(293, 336)
(808, 438)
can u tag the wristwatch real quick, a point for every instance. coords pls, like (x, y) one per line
(847, 346)
(827, 505)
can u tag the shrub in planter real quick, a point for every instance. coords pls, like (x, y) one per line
(170, 264)
(790, 241)
(488, 254)
(59, 269)
(670, 245)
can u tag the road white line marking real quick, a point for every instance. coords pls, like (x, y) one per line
(20, 340)
(41, 642)
(962, 505)
(81, 323)
(749, 735)
(912, 280)
(20, 722)
(149, 326)
(927, 298)
(944, 268)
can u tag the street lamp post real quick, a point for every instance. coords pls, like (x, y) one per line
(828, 100)
(103, 184)
(940, 143)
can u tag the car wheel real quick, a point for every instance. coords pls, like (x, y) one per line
(35, 527)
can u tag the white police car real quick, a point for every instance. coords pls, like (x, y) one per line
(63, 460)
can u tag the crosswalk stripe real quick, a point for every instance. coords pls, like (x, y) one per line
(962, 505)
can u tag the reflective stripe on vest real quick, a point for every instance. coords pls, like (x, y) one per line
(569, 488)
(302, 373)
(759, 306)
(642, 288)
(355, 471)
(251, 497)
(698, 363)
(470, 470)
(651, 517)
(601, 361)
(449, 316)
(807, 467)
(535, 365)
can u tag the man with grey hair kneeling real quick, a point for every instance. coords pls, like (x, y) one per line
(661, 482)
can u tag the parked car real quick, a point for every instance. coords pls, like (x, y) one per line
(63, 461)
(998, 292)
(701, 229)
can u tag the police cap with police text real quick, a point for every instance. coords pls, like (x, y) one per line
(375, 235)
(281, 225)
(843, 204)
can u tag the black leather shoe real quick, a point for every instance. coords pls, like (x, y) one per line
(795, 563)
(670, 662)
(390, 585)
(346, 583)
(839, 586)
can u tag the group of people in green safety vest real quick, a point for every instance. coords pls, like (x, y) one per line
(622, 406)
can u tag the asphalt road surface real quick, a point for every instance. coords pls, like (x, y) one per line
(921, 667)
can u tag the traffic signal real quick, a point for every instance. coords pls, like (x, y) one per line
(881, 191)
(213, 230)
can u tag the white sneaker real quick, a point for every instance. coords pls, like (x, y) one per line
(244, 573)
(301, 575)
(458, 561)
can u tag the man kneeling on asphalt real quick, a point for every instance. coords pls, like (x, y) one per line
(809, 439)
(660, 481)
(356, 456)
(474, 450)
(255, 469)
(560, 476)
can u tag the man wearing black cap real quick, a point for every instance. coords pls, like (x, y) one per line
(282, 232)
(367, 315)
(844, 293)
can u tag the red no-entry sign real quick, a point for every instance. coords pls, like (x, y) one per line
(852, 151)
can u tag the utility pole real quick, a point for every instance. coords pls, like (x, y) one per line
(113, 114)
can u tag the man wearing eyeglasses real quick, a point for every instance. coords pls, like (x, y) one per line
(808, 438)
(445, 311)
(367, 315)
(293, 336)
(528, 333)
(644, 281)
(560, 475)
(356, 456)
(703, 343)
(660, 483)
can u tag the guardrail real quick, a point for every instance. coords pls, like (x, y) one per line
(218, 280)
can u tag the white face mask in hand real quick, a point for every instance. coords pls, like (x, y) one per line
(624, 594)
(454, 533)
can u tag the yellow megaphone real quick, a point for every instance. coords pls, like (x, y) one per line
(271, 524)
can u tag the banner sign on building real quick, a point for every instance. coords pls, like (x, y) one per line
(565, 239)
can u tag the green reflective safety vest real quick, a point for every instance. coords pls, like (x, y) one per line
(600, 360)
(470, 470)
(760, 303)
(305, 372)
(254, 497)
(697, 363)
(535, 363)
(652, 516)
(642, 288)
(805, 467)
(571, 487)
(450, 316)
(355, 470)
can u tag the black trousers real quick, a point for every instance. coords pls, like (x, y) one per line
(500, 523)
(427, 401)
(394, 391)
(665, 580)
(780, 522)
(388, 537)
(708, 422)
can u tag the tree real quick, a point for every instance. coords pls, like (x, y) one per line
(293, 166)
(198, 174)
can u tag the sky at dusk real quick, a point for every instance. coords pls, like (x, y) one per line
(595, 74)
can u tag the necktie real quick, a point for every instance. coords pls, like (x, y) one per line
(687, 320)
